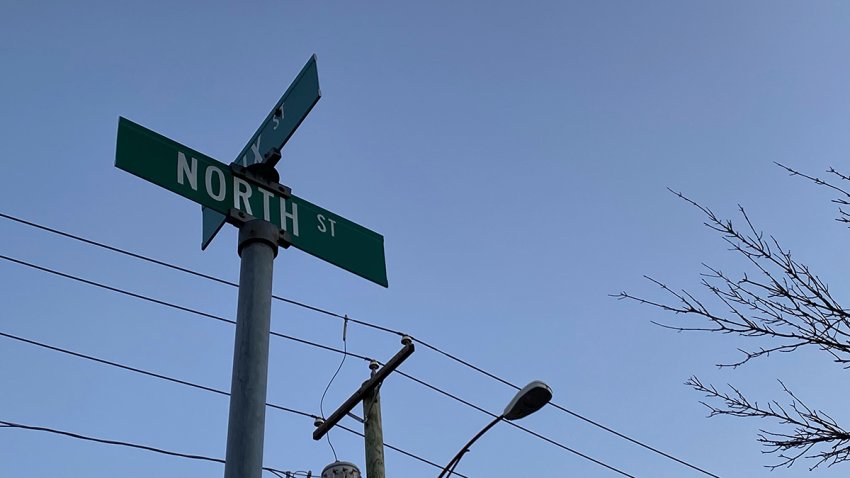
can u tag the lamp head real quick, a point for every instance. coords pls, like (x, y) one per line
(531, 398)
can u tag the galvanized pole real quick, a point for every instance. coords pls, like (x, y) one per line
(373, 430)
(246, 424)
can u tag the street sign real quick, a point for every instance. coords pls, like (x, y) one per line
(286, 115)
(212, 184)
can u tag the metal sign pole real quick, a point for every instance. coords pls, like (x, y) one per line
(232, 193)
(246, 424)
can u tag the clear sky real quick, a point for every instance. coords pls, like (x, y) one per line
(515, 156)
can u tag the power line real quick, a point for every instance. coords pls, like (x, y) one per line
(145, 372)
(189, 271)
(568, 411)
(196, 386)
(137, 446)
(527, 430)
(306, 342)
(361, 323)
(170, 304)
(399, 450)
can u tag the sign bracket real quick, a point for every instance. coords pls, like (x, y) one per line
(239, 218)
(258, 174)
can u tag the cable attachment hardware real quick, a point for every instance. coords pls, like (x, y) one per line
(238, 218)
(263, 175)
(361, 420)
(273, 156)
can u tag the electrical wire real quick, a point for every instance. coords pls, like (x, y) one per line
(361, 323)
(566, 410)
(306, 342)
(328, 387)
(105, 441)
(172, 305)
(189, 271)
(199, 387)
(145, 372)
(290, 474)
(527, 430)
(362, 435)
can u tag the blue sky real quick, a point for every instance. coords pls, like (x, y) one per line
(516, 160)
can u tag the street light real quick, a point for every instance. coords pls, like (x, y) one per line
(531, 398)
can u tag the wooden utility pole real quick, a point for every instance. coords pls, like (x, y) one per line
(373, 430)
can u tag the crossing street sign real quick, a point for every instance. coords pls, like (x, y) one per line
(284, 118)
(213, 184)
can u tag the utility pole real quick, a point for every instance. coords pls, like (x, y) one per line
(368, 394)
(373, 430)
(246, 423)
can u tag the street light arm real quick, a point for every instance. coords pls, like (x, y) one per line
(452, 469)
(449, 468)
(528, 400)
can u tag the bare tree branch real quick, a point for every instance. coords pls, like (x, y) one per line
(810, 428)
(843, 214)
(786, 302)
(782, 305)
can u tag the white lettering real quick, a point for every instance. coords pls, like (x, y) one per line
(255, 148)
(241, 193)
(293, 216)
(267, 195)
(184, 171)
(208, 183)
(322, 228)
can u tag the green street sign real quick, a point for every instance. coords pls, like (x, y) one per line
(212, 184)
(286, 115)
(284, 118)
